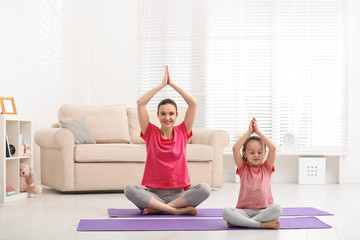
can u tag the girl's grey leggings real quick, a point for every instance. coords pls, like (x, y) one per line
(141, 198)
(251, 218)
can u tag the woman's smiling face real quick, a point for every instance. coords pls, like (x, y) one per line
(167, 115)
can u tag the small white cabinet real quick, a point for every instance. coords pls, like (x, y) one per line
(17, 130)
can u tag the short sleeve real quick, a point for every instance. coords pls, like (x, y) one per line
(238, 171)
(149, 130)
(267, 167)
(183, 129)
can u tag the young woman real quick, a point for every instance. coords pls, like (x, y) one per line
(166, 173)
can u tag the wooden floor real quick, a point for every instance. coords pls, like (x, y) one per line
(53, 215)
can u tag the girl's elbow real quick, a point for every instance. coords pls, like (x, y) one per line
(235, 149)
(194, 103)
(272, 148)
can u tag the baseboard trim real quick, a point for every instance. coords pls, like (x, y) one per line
(350, 179)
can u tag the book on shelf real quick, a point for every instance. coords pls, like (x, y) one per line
(7, 147)
(10, 193)
(9, 189)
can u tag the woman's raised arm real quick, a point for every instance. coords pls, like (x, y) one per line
(189, 99)
(143, 114)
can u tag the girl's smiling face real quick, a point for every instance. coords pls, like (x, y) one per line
(254, 153)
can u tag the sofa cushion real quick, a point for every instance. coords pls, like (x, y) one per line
(110, 152)
(80, 129)
(199, 152)
(108, 124)
(135, 127)
(133, 153)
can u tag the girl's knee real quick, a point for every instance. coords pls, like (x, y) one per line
(226, 212)
(276, 209)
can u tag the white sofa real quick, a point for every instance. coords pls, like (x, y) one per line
(119, 155)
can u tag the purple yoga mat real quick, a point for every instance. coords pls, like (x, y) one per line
(304, 211)
(214, 212)
(185, 224)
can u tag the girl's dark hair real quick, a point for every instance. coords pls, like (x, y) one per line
(167, 101)
(251, 138)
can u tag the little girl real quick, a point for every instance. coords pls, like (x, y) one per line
(255, 207)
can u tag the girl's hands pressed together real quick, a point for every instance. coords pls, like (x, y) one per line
(252, 126)
(255, 125)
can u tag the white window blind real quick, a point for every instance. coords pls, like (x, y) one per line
(283, 62)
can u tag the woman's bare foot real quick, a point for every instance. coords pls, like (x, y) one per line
(189, 210)
(274, 224)
(149, 211)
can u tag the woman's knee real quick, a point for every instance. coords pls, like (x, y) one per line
(204, 189)
(129, 189)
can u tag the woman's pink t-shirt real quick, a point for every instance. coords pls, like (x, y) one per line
(166, 165)
(255, 189)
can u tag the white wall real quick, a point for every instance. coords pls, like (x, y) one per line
(286, 167)
(100, 61)
(352, 161)
(105, 51)
(101, 58)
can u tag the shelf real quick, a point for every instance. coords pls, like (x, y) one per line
(312, 153)
(14, 128)
(16, 158)
(17, 196)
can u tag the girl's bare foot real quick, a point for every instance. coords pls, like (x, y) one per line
(189, 210)
(274, 224)
(149, 211)
(230, 225)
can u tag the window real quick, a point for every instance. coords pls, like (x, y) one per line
(283, 62)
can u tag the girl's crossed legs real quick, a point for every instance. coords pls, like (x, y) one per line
(173, 201)
(253, 218)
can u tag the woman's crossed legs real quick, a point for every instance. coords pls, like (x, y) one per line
(173, 201)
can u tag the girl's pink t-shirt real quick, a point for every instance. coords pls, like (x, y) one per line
(255, 189)
(166, 165)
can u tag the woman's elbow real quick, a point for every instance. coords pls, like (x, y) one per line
(139, 102)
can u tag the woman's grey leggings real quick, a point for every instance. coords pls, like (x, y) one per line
(251, 218)
(141, 198)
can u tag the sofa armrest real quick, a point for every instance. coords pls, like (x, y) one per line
(216, 138)
(219, 140)
(54, 138)
(57, 157)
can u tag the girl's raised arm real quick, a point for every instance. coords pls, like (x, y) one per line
(239, 161)
(190, 100)
(143, 114)
(270, 144)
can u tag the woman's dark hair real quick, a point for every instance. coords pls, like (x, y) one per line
(167, 101)
(255, 138)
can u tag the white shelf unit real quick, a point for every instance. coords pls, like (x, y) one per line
(12, 126)
(340, 155)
